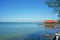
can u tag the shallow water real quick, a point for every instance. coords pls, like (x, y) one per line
(24, 31)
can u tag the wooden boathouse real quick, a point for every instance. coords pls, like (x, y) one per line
(49, 23)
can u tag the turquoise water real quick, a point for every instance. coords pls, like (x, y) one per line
(23, 30)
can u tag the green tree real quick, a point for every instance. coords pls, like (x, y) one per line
(55, 5)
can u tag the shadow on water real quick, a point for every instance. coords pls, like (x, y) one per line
(51, 30)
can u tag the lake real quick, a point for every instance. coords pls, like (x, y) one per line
(24, 31)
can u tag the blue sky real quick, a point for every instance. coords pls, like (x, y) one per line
(25, 11)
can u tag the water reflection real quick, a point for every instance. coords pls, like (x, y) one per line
(57, 30)
(48, 29)
(50, 26)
